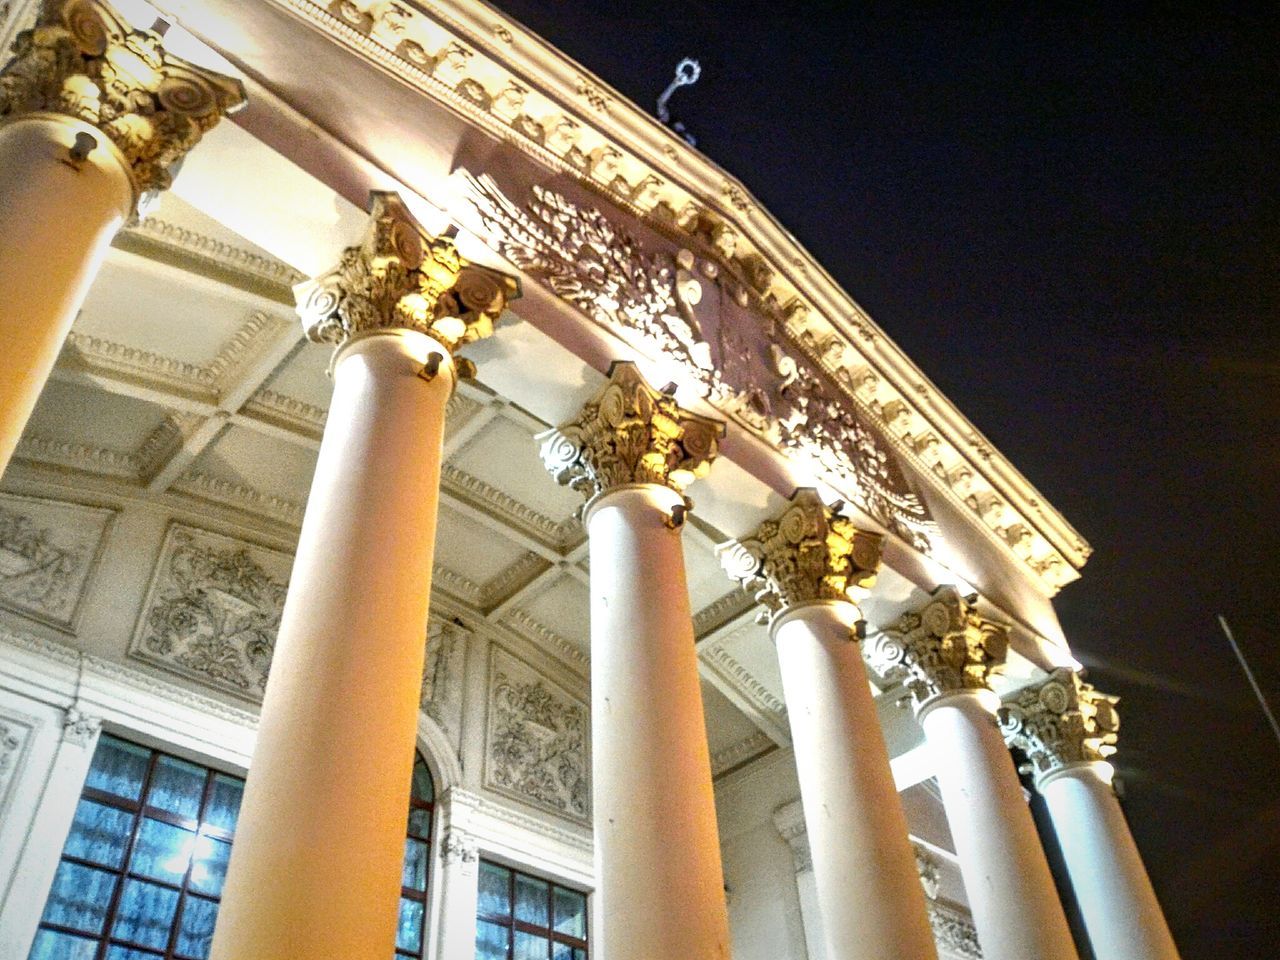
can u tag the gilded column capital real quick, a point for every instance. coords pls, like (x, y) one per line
(631, 434)
(83, 60)
(809, 553)
(1060, 722)
(397, 277)
(945, 647)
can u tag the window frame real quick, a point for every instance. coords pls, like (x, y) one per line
(549, 933)
(422, 896)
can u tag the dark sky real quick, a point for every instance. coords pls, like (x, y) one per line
(1071, 225)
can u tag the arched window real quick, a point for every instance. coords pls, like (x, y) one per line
(411, 932)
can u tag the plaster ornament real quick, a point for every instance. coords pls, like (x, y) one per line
(80, 728)
(83, 60)
(1060, 722)
(945, 647)
(629, 434)
(809, 553)
(47, 554)
(397, 277)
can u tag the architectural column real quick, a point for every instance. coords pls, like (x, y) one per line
(94, 115)
(315, 871)
(945, 654)
(1067, 729)
(658, 875)
(810, 567)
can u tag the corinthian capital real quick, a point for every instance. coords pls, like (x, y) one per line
(398, 277)
(631, 434)
(1061, 722)
(945, 647)
(808, 553)
(83, 60)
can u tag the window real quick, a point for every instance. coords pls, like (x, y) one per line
(141, 873)
(520, 917)
(142, 870)
(410, 933)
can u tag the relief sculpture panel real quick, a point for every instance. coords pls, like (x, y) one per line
(15, 734)
(536, 742)
(442, 676)
(48, 550)
(213, 610)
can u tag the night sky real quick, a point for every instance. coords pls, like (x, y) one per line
(1071, 225)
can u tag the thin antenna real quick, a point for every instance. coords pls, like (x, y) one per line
(1253, 681)
(688, 71)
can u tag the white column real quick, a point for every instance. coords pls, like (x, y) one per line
(812, 564)
(1066, 728)
(945, 654)
(659, 879)
(71, 180)
(458, 892)
(315, 870)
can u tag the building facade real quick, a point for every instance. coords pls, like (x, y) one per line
(585, 575)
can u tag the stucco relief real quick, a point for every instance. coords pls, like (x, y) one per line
(213, 610)
(442, 676)
(536, 742)
(48, 550)
(15, 734)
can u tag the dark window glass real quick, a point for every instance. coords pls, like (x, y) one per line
(142, 868)
(412, 930)
(522, 917)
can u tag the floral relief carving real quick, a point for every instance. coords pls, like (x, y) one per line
(442, 675)
(1059, 722)
(536, 744)
(47, 553)
(213, 610)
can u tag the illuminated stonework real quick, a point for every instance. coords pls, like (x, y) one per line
(1060, 722)
(809, 553)
(397, 277)
(84, 61)
(945, 647)
(631, 434)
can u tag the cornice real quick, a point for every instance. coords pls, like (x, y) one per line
(226, 256)
(477, 493)
(738, 753)
(505, 80)
(78, 456)
(544, 637)
(196, 483)
(721, 660)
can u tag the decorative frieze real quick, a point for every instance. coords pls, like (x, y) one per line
(83, 60)
(48, 551)
(398, 277)
(809, 553)
(213, 609)
(1060, 722)
(630, 434)
(945, 647)
(954, 933)
(536, 740)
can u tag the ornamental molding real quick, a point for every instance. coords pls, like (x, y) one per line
(49, 551)
(809, 553)
(82, 60)
(509, 816)
(457, 846)
(718, 658)
(240, 496)
(927, 869)
(79, 728)
(463, 486)
(953, 932)
(294, 415)
(17, 730)
(227, 256)
(505, 80)
(78, 456)
(545, 638)
(736, 754)
(1060, 722)
(443, 676)
(398, 277)
(721, 612)
(536, 740)
(945, 647)
(631, 434)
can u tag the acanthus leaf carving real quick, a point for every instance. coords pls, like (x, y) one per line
(1060, 722)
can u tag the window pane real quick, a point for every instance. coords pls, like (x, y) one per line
(195, 932)
(128, 953)
(420, 823)
(99, 833)
(224, 802)
(409, 931)
(163, 851)
(571, 913)
(531, 901)
(62, 946)
(415, 865)
(579, 955)
(145, 915)
(177, 786)
(209, 870)
(118, 768)
(561, 951)
(79, 897)
(491, 941)
(530, 947)
(495, 892)
(423, 788)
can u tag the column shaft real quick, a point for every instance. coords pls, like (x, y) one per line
(316, 867)
(56, 223)
(1121, 914)
(869, 893)
(657, 851)
(1006, 876)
